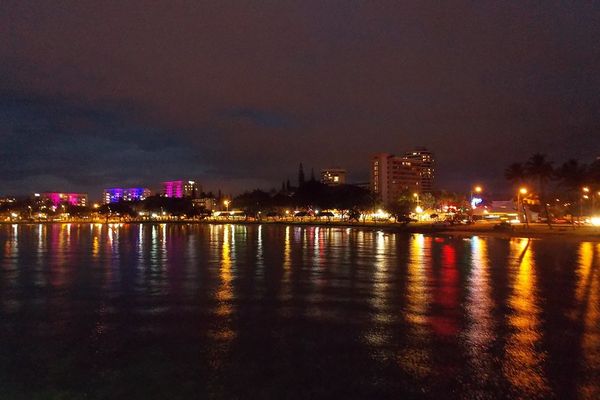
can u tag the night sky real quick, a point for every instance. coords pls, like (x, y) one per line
(236, 93)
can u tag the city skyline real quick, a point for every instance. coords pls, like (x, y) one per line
(299, 199)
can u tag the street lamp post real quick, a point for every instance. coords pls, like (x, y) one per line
(418, 207)
(477, 189)
(583, 196)
(522, 191)
(226, 203)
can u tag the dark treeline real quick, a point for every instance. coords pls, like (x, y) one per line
(310, 195)
(179, 207)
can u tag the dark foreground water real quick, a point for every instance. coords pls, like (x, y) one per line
(232, 311)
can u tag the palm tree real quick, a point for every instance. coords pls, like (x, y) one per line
(572, 175)
(540, 169)
(515, 173)
(594, 173)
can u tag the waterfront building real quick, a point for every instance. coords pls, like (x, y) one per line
(114, 195)
(393, 176)
(58, 198)
(333, 176)
(181, 189)
(424, 160)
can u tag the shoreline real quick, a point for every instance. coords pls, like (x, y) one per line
(538, 231)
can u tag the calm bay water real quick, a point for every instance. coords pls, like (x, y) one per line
(235, 311)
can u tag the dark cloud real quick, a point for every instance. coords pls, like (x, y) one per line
(46, 142)
(239, 93)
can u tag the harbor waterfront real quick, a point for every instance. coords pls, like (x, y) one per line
(153, 311)
(534, 230)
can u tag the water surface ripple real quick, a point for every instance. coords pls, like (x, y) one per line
(235, 311)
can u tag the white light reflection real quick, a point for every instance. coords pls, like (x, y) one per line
(479, 306)
(260, 264)
(379, 335)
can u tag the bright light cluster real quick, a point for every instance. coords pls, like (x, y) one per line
(114, 195)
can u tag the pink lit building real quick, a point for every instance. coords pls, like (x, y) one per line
(74, 199)
(180, 189)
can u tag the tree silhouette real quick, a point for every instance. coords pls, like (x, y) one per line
(301, 179)
(572, 175)
(540, 169)
(515, 173)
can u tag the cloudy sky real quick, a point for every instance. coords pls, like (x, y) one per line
(237, 93)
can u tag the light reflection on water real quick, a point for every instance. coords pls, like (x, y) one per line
(415, 357)
(227, 307)
(524, 358)
(479, 333)
(588, 314)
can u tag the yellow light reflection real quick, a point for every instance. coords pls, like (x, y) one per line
(522, 365)
(95, 247)
(415, 359)
(286, 287)
(287, 250)
(588, 301)
(224, 294)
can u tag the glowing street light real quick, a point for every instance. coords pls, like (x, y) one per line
(474, 201)
(226, 203)
(585, 190)
(416, 196)
(522, 192)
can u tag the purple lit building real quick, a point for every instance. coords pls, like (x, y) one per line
(180, 189)
(74, 199)
(114, 195)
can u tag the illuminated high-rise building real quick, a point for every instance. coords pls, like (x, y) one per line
(58, 198)
(392, 177)
(114, 195)
(179, 189)
(424, 160)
